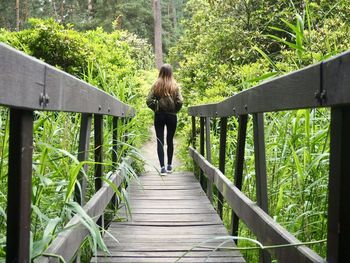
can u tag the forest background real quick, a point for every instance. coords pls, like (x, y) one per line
(217, 48)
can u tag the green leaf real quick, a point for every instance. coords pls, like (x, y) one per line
(298, 166)
(90, 224)
(266, 57)
(287, 43)
(73, 174)
(279, 204)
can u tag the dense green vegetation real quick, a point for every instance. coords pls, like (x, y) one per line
(228, 46)
(135, 16)
(119, 63)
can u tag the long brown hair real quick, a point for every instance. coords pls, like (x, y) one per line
(165, 84)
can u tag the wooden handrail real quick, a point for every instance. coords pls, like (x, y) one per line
(28, 83)
(265, 228)
(68, 242)
(326, 84)
(321, 85)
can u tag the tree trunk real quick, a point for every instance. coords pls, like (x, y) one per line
(158, 48)
(173, 13)
(89, 3)
(26, 11)
(17, 15)
(54, 9)
(62, 11)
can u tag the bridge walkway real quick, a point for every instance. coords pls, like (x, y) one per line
(170, 216)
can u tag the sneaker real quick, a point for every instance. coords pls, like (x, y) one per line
(169, 169)
(163, 171)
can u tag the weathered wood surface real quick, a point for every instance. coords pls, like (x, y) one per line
(28, 83)
(170, 215)
(19, 185)
(323, 84)
(260, 223)
(338, 209)
(68, 242)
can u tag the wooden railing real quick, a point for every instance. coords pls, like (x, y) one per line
(325, 84)
(28, 84)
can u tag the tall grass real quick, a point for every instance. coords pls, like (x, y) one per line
(297, 159)
(297, 150)
(56, 168)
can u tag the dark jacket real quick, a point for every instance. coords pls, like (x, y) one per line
(168, 104)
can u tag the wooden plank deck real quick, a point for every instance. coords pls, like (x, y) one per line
(170, 215)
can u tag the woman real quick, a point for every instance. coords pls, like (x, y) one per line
(165, 100)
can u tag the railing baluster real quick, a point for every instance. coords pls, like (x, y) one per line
(242, 133)
(98, 131)
(83, 154)
(19, 185)
(126, 136)
(201, 148)
(115, 155)
(208, 149)
(194, 132)
(260, 161)
(194, 135)
(260, 170)
(222, 158)
(339, 180)
(115, 143)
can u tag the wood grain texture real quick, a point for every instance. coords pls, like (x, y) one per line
(23, 79)
(170, 215)
(19, 186)
(259, 222)
(296, 90)
(239, 163)
(68, 242)
(338, 208)
(336, 80)
(20, 86)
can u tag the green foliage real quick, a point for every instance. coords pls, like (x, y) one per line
(119, 63)
(119, 53)
(135, 16)
(221, 37)
(228, 46)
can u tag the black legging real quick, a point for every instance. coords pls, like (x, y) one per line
(160, 120)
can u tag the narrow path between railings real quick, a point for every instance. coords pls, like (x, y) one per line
(170, 215)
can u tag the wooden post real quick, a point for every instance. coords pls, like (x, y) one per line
(115, 155)
(126, 137)
(19, 185)
(115, 143)
(83, 154)
(98, 131)
(194, 132)
(194, 135)
(338, 237)
(201, 148)
(260, 171)
(260, 161)
(222, 158)
(242, 133)
(208, 148)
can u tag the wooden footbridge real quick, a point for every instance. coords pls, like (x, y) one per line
(172, 218)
